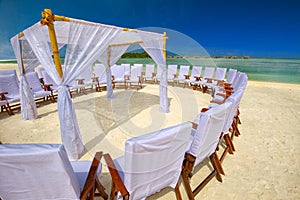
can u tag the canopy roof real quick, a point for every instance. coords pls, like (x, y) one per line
(86, 42)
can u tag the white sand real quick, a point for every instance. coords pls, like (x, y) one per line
(264, 166)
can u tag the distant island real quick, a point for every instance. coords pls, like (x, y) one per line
(145, 55)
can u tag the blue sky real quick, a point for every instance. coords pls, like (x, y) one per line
(266, 28)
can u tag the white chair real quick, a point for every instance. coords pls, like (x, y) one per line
(100, 75)
(4, 104)
(43, 171)
(195, 76)
(183, 73)
(135, 76)
(9, 88)
(172, 72)
(118, 73)
(86, 78)
(151, 162)
(235, 100)
(49, 84)
(158, 74)
(231, 76)
(207, 134)
(37, 88)
(217, 80)
(149, 73)
(207, 76)
(126, 69)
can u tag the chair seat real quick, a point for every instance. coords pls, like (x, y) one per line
(41, 93)
(81, 169)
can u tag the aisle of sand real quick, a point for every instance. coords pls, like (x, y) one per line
(266, 161)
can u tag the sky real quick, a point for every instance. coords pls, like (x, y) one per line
(258, 28)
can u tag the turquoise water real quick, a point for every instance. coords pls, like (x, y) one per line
(259, 69)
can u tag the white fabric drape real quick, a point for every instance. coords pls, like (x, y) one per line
(28, 106)
(85, 44)
(154, 47)
(115, 53)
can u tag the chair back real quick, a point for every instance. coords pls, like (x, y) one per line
(39, 71)
(207, 134)
(100, 72)
(172, 69)
(153, 161)
(136, 72)
(196, 71)
(208, 72)
(235, 100)
(10, 72)
(231, 75)
(9, 83)
(118, 72)
(36, 171)
(86, 74)
(184, 70)
(220, 73)
(149, 70)
(48, 80)
(126, 69)
(34, 81)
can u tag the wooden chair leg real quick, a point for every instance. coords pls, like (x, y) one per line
(186, 183)
(9, 110)
(177, 192)
(217, 164)
(229, 143)
(101, 189)
(113, 191)
(4, 107)
(204, 88)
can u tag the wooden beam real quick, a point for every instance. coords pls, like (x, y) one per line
(48, 19)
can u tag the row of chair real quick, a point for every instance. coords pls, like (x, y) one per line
(124, 75)
(10, 89)
(150, 162)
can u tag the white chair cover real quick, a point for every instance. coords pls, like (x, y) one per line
(184, 70)
(234, 99)
(126, 69)
(196, 71)
(36, 171)
(206, 138)
(9, 84)
(135, 73)
(87, 75)
(231, 75)
(149, 71)
(35, 85)
(100, 72)
(153, 161)
(118, 71)
(172, 70)
(220, 73)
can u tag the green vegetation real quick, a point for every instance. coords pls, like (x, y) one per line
(8, 61)
(135, 55)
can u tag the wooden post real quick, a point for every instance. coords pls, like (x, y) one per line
(48, 19)
(165, 45)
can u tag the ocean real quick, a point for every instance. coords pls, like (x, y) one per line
(258, 69)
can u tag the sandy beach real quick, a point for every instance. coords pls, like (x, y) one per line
(264, 166)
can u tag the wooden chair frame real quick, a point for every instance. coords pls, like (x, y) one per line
(187, 168)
